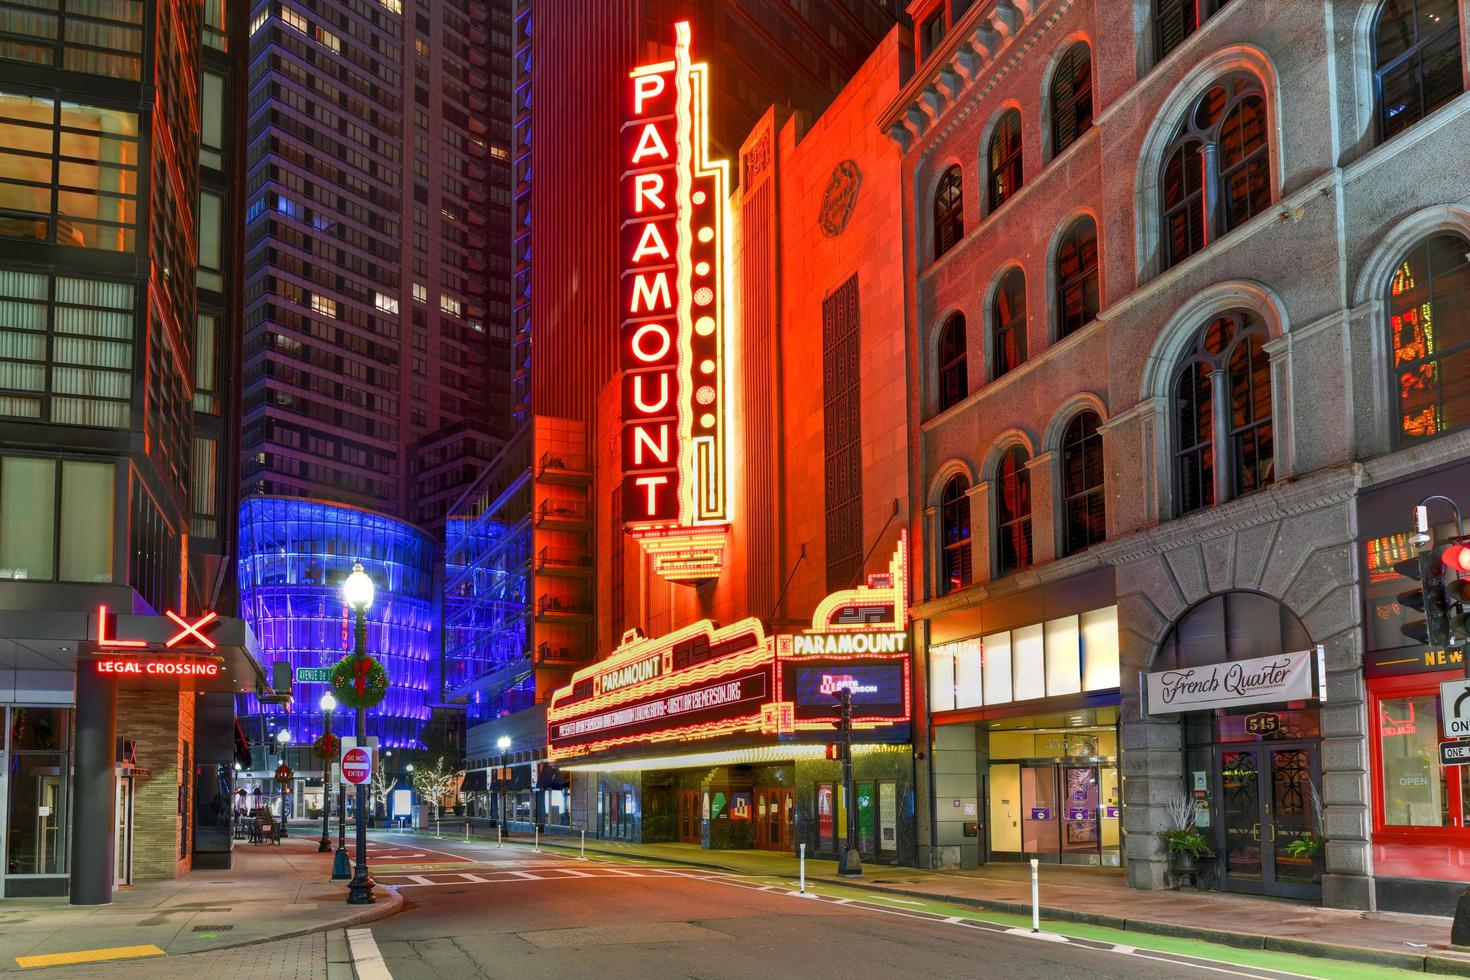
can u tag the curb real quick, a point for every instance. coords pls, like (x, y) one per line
(379, 910)
(1417, 962)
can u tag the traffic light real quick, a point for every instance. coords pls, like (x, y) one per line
(1456, 558)
(834, 751)
(1428, 568)
(843, 704)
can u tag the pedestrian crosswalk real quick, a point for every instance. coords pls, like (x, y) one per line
(520, 871)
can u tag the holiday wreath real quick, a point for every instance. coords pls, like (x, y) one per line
(359, 682)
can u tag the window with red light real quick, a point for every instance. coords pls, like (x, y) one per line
(1071, 97)
(949, 211)
(1429, 338)
(1222, 401)
(1217, 169)
(1008, 323)
(1004, 158)
(1012, 512)
(1084, 511)
(1077, 289)
(954, 382)
(1175, 20)
(954, 533)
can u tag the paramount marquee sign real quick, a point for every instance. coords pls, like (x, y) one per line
(675, 296)
(844, 643)
(706, 682)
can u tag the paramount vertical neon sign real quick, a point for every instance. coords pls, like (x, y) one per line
(675, 293)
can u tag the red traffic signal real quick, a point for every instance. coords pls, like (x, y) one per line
(834, 751)
(1457, 558)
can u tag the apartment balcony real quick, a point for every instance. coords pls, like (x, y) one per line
(564, 515)
(565, 562)
(567, 469)
(563, 609)
(559, 656)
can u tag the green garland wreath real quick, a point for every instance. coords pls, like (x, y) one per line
(284, 775)
(359, 689)
(327, 747)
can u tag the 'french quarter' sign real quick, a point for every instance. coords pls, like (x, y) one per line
(1236, 683)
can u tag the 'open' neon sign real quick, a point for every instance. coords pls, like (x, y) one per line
(674, 295)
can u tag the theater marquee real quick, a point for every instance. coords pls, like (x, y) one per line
(738, 683)
(675, 296)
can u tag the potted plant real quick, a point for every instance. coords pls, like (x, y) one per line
(1185, 844)
(1311, 846)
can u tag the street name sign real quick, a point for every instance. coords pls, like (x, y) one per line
(313, 675)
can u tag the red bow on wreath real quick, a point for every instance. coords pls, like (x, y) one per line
(360, 675)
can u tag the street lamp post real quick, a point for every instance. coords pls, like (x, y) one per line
(283, 738)
(409, 769)
(324, 846)
(358, 591)
(503, 743)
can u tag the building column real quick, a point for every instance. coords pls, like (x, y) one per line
(94, 790)
(980, 564)
(1044, 492)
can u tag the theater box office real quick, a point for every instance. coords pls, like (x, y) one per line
(721, 736)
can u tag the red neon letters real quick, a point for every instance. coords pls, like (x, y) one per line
(146, 667)
(673, 322)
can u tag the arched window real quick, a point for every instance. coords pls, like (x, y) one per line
(954, 533)
(1429, 335)
(1012, 512)
(1223, 436)
(1083, 505)
(1008, 322)
(1077, 293)
(949, 210)
(954, 382)
(1217, 169)
(1416, 61)
(1175, 20)
(1071, 97)
(1004, 159)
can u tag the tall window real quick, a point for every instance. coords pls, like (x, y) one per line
(1429, 335)
(1008, 322)
(1077, 292)
(954, 533)
(1217, 169)
(949, 211)
(954, 382)
(1071, 97)
(1175, 20)
(1416, 61)
(1012, 512)
(68, 173)
(1222, 398)
(1004, 159)
(1083, 505)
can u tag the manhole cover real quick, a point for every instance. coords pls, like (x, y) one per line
(213, 928)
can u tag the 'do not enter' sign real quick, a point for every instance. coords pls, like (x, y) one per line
(357, 766)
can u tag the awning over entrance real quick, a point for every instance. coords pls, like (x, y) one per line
(474, 781)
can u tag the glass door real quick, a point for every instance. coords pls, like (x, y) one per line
(1268, 801)
(1080, 828)
(1040, 815)
(123, 845)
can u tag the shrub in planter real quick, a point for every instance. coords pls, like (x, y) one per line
(1186, 846)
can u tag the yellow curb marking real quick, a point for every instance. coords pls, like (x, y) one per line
(89, 956)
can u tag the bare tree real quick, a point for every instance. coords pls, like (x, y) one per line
(382, 785)
(434, 782)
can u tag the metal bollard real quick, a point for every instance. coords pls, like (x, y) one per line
(803, 868)
(1035, 897)
(583, 856)
(467, 829)
(436, 827)
(537, 848)
(497, 835)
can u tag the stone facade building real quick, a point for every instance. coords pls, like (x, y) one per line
(1188, 296)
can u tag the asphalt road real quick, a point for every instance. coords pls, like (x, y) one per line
(477, 911)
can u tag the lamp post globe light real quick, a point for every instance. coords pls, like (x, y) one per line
(357, 590)
(328, 705)
(503, 744)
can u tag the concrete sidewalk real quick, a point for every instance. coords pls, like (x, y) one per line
(272, 893)
(1102, 897)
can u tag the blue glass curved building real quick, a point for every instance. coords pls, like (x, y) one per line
(294, 554)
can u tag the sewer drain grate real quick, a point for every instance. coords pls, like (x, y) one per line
(213, 928)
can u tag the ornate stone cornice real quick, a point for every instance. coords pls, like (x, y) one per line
(979, 51)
